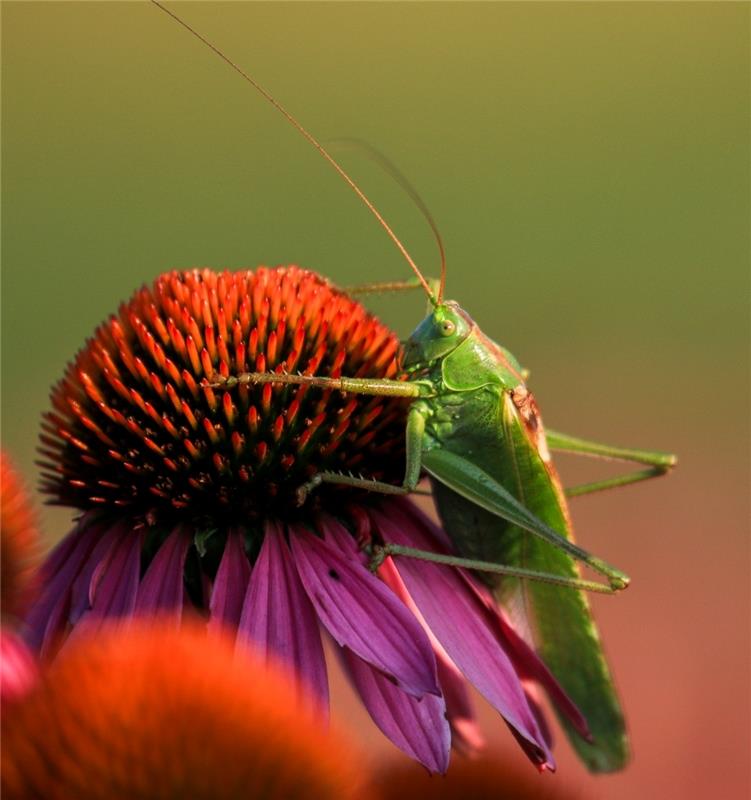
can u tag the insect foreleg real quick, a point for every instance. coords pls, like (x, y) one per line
(371, 386)
(415, 432)
(387, 549)
(659, 463)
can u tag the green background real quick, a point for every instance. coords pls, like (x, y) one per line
(588, 166)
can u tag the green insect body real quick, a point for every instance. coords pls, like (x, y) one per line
(484, 413)
(474, 428)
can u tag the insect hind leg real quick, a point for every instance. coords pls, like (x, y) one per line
(387, 549)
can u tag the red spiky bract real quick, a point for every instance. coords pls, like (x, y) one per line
(135, 424)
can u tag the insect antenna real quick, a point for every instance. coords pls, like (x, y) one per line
(312, 139)
(388, 166)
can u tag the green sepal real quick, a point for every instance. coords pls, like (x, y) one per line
(201, 539)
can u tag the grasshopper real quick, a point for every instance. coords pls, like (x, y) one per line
(475, 429)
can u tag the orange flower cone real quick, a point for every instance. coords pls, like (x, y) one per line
(159, 713)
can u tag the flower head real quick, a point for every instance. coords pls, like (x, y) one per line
(174, 718)
(19, 550)
(19, 541)
(188, 494)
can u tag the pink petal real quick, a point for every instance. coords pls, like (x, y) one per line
(466, 738)
(418, 727)
(162, 589)
(230, 584)
(83, 586)
(47, 618)
(528, 664)
(117, 586)
(361, 613)
(279, 620)
(457, 618)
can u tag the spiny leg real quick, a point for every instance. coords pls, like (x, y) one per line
(658, 463)
(370, 386)
(388, 549)
(415, 431)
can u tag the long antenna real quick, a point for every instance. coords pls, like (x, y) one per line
(309, 136)
(388, 166)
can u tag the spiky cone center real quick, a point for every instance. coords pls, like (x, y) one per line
(135, 424)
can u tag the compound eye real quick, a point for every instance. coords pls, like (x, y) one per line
(447, 327)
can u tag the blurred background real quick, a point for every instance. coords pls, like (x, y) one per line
(588, 166)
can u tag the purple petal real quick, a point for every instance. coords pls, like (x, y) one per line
(361, 613)
(457, 618)
(418, 727)
(279, 620)
(534, 703)
(47, 618)
(117, 588)
(230, 585)
(82, 591)
(466, 737)
(62, 551)
(530, 665)
(162, 590)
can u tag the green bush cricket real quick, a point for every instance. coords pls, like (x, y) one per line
(474, 428)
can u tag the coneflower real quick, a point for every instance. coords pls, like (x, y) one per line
(156, 713)
(19, 552)
(190, 502)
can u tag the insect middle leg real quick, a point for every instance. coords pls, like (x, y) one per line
(415, 432)
(370, 386)
(657, 463)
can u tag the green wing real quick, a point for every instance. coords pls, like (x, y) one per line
(489, 512)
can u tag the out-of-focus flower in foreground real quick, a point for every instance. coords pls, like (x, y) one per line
(157, 713)
(19, 542)
(19, 551)
(189, 504)
(492, 777)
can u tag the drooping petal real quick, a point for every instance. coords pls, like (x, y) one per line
(533, 698)
(466, 737)
(278, 618)
(117, 587)
(418, 727)
(361, 613)
(162, 589)
(230, 584)
(456, 616)
(48, 617)
(59, 555)
(81, 593)
(528, 664)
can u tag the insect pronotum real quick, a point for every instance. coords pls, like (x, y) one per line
(475, 429)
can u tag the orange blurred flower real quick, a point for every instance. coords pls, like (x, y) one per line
(19, 540)
(488, 778)
(156, 712)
